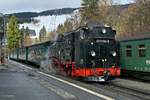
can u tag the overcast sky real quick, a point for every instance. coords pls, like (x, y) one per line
(11, 6)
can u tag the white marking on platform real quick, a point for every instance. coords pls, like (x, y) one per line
(21, 65)
(58, 91)
(79, 87)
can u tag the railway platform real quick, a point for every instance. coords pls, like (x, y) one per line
(20, 82)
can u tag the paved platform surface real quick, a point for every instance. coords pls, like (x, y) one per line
(20, 82)
(16, 85)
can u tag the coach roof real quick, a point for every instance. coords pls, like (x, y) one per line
(141, 36)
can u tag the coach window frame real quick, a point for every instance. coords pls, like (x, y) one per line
(129, 50)
(142, 50)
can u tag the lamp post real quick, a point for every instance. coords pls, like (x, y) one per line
(1, 35)
(2, 39)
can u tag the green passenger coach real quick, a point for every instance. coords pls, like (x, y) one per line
(135, 55)
(35, 55)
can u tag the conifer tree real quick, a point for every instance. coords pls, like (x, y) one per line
(13, 33)
(42, 34)
(89, 10)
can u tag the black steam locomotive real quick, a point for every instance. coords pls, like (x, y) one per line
(89, 52)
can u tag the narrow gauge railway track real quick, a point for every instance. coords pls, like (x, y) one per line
(145, 79)
(141, 95)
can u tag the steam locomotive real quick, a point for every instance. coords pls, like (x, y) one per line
(89, 52)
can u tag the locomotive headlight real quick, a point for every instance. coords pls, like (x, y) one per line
(92, 43)
(93, 53)
(103, 31)
(114, 53)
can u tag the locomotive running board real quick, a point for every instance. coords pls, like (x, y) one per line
(94, 79)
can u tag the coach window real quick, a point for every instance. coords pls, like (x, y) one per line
(142, 50)
(128, 50)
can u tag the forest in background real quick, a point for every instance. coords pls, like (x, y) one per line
(128, 21)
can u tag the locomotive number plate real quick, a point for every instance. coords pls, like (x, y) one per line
(102, 41)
